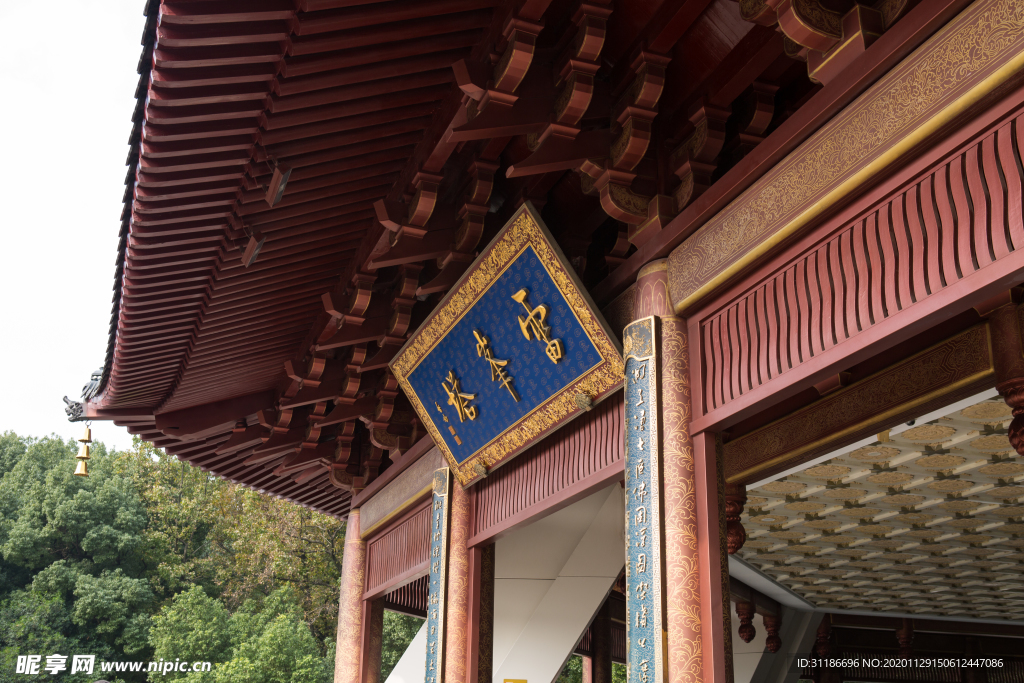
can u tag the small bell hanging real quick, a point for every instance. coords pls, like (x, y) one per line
(82, 470)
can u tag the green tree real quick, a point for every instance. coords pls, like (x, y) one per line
(150, 558)
(572, 672)
(273, 543)
(263, 642)
(193, 627)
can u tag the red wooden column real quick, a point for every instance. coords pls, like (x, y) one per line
(601, 647)
(689, 640)
(713, 562)
(350, 605)
(372, 641)
(481, 614)
(456, 655)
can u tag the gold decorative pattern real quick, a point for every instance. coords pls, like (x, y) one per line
(457, 615)
(930, 546)
(818, 19)
(723, 556)
(682, 598)
(689, 148)
(628, 201)
(350, 604)
(968, 58)
(523, 229)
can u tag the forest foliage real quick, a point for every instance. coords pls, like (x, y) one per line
(149, 558)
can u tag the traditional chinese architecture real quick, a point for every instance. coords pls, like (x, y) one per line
(684, 334)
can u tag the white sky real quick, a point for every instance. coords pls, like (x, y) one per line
(69, 78)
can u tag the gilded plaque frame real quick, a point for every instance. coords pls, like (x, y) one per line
(524, 229)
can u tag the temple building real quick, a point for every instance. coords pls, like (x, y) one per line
(682, 334)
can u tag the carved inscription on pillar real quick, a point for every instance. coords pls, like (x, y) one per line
(644, 588)
(436, 598)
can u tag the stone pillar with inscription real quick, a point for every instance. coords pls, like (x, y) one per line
(690, 636)
(437, 582)
(350, 605)
(645, 585)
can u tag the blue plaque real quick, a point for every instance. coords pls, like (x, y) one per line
(436, 601)
(644, 588)
(515, 350)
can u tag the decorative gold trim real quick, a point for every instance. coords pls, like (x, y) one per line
(913, 101)
(524, 229)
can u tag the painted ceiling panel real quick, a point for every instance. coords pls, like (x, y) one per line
(929, 522)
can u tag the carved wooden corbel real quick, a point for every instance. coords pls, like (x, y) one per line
(635, 111)
(490, 105)
(561, 145)
(402, 301)
(349, 315)
(861, 27)
(809, 23)
(520, 38)
(413, 241)
(634, 114)
(344, 470)
(694, 161)
(761, 111)
(283, 436)
(758, 12)
(390, 430)
(423, 202)
(828, 36)
(471, 215)
(579, 63)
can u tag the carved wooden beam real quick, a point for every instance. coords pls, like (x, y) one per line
(472, 213)
(828, 36)
(491, 109)
(612, 177)
(350, 311)
(242, 436)
(560, 145)
(412, 240)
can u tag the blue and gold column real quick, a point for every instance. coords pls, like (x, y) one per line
(438, 583)
(645, 586)
(696, 648)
